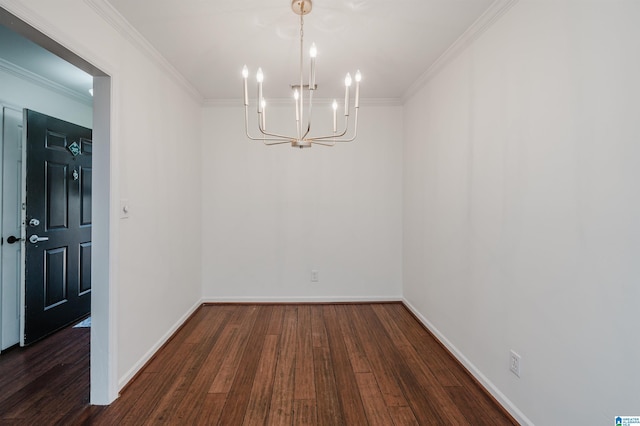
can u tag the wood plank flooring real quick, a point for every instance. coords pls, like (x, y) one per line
(48, 382)
(261, 364)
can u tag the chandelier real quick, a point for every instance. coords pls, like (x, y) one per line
(303, 138)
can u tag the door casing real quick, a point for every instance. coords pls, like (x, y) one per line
(10, 281)
(104, 374)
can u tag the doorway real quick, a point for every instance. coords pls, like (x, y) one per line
(104, 385)
(56, 238)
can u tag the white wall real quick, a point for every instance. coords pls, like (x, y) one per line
(159, 169)
(20, 93)
(272, 214)
(521, 208)
(155, 151)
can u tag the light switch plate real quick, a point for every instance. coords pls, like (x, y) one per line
(125, 208)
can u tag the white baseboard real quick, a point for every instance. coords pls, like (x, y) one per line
(482, 379)
(285, 299)
(147, 356)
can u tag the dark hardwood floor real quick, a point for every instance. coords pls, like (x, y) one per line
(45, 382)
(260, 364)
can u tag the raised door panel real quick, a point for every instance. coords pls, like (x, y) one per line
(85, 267)
(57, 193)
(55, 277)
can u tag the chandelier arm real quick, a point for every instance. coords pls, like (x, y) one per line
(355, 133)
(276, 143)
(274, 135)
(310, 109)
(278, 140)
(307, 132)
(335, 135)
(281, 139)
(324, 144)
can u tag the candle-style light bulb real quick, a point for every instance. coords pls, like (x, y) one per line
(313, 52)
(245, 74)
(296, 96)
(358, 78)
(334, 105)
(347, 84)
(260, 78)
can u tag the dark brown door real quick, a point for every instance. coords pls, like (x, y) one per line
(58, 225)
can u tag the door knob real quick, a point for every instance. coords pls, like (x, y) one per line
(13, 239)
(34, 239)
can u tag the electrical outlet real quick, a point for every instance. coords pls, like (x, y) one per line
(514, 363)
(314, 275)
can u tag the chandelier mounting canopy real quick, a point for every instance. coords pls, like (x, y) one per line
(301, 7)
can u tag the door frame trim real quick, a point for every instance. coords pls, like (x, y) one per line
(104, 237)
(4, 106)
(27, 22)
(23, 230)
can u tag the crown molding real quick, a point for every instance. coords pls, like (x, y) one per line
(43, 82)
(213, 103)
(107, 12)
(482, 24)
(32, 25)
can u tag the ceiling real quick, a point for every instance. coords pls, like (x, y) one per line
(208, 41)
(392, 42)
